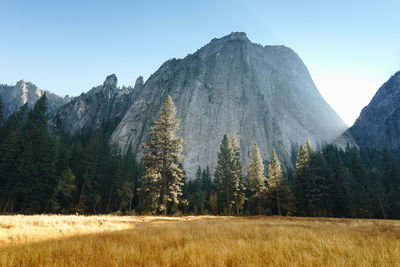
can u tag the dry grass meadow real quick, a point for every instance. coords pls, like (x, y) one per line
(197, 241)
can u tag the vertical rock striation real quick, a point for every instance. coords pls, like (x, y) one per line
(263, 94)
(102, 106)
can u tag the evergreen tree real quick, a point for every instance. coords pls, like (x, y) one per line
(10, 151)
(300, 178)
(391, 183)
(339, 183)
(280, 196)
(207, 188)
(163, 158)
(256, 177)
(37, 178)
(360, 191)
(238, 190)
(64, 192)
(88, 194)
(149, 191)
(317, 186)
(223, 177)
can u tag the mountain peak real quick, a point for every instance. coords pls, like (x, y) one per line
(232, 37)
(111, 81)
(230, 85)
(236, 36)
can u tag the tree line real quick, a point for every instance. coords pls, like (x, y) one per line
(84, 173)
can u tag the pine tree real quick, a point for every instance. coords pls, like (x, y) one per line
(360, 187)
(149, 191)
(11, 151)
(391, 183)
(207, 187)
(256, 177)
(64, 192)
(223, 179)
(300, 178)
(36, 188)
(88, 195)
(163, 158)
(316, 191)
(238, 191)
(275, 179)
(339, 183)
(282, 200)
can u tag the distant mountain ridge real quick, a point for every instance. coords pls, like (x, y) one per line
(26, 92)
(101, 105)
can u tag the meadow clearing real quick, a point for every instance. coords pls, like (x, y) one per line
(45, 240)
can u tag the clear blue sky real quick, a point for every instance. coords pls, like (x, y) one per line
(349, 47)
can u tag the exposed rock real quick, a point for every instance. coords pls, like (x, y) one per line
(105, 104)
(139, 82)
(110, 82)
(263, 94)
(379, 123)
(26, 92)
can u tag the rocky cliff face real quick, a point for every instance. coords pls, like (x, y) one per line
(264, 94)
(102, 104)
(25, 92)
(379, 123)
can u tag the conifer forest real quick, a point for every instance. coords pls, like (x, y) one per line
(86, 174)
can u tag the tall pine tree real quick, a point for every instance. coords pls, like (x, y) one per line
(223, 179)
(256, 177)
(279, 194)
(238, 189)
(163, 173)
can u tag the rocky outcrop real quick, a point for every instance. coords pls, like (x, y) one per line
(379, 123)
(264, 94)
(104, 104)
(26, 92)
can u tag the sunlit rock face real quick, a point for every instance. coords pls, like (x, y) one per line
(378, 125)
(102, 106)
(263, 94)
(14, 97)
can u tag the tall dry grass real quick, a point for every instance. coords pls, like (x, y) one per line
(264, 241)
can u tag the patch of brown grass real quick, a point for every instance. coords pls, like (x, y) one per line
(220, 241)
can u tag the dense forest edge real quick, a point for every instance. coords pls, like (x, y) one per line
(85, 174)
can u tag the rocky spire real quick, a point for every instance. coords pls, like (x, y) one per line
(139, 82)
(111, 81)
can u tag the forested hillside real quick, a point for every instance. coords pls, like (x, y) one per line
(83, 173)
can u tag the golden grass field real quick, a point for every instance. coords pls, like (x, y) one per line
(197, 241)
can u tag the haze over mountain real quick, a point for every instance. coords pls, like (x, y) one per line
(263, 94)
(26, 92)
(379, 122)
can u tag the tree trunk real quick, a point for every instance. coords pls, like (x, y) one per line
(381, 207)
(237, 205)
(227, 202)
(11, 191)
(83, 187)
(277, 198)
(130, 201)
(164, 189)
(109, 199)
(259, 202)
